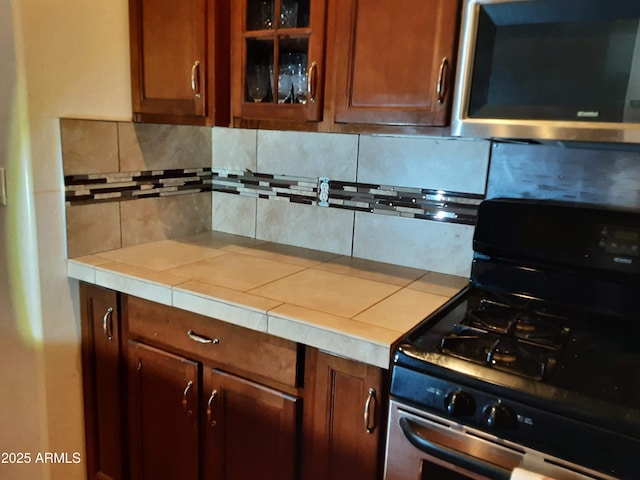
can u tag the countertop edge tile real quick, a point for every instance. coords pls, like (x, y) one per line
(133, 286)
(81, 271)
(242, 316)
(333, 342)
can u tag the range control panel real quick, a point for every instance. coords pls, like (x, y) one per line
(620, 241)
(582, 443)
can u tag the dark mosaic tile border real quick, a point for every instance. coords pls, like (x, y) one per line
(426, 204)
(114, 187)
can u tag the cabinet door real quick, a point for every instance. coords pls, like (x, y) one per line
(163, 414)
(393, 61)
(169, 62)
(250, 430)
(345, 433)
(278, 59)
(102, 376)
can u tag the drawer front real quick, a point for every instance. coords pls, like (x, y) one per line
(206, 338)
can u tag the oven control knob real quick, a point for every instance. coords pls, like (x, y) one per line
(460, 404)
(499, 417)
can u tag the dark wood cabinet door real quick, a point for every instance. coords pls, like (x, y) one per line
(344, 438)
(250, 430)
(180, 61)
(102, 377)
(393, 61)
(163, 414)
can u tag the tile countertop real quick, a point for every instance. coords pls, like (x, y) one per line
(351, 307)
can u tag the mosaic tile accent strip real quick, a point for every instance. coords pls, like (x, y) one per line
(110, 187)
(419, 203)
(426, 204)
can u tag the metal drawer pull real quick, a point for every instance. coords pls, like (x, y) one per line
(201, 339)
(107, 325)
(184, 397)
(369, 426)
(441, 88)
(214, 395)
(195, 78)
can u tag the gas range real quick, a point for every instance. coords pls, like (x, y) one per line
(541, 352)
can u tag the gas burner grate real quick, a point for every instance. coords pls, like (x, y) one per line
(519, 318)
(512, 334)
(502, 352)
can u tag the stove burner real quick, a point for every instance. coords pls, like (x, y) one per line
(519, 318)
(515, 335)
(525, 324)
(504, 352)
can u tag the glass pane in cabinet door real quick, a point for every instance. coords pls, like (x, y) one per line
(259, 80)
(260, 14)
(293, 70)
(294, 14)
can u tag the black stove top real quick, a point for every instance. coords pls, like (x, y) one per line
(536, 348)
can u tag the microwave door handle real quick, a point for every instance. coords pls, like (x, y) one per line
(451, 456)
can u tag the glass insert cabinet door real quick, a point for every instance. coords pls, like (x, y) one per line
(277, 59)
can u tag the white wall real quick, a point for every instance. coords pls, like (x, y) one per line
(76, 62)
(23, 426)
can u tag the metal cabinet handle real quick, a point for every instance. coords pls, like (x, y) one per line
(441, 87)
(312, 80)
(195, 78)
(214, 395)
(201, 339)
(107, 324)
(369, 425)
(184, 397)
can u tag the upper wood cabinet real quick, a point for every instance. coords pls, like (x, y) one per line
(180, 61)
(278, 59)
(392, 62)
(382, 63)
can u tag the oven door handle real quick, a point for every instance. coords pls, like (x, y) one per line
(451, 456)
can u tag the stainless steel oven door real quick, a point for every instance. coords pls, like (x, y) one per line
(421, 446)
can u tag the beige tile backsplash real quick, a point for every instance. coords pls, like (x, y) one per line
(89, 146)
(430, 245)
(92, 228)
(306, 154)
(146, 146)
(327, 229)
(439, 164)
(152, 219)
(420, 162)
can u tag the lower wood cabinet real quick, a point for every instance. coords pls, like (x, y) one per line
(163, 414)
(344, 416)
(250, 431)
(102, 382)
(160, 407)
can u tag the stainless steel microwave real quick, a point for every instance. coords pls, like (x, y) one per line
(564, 70)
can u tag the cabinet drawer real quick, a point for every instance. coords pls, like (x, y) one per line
(206, 338)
